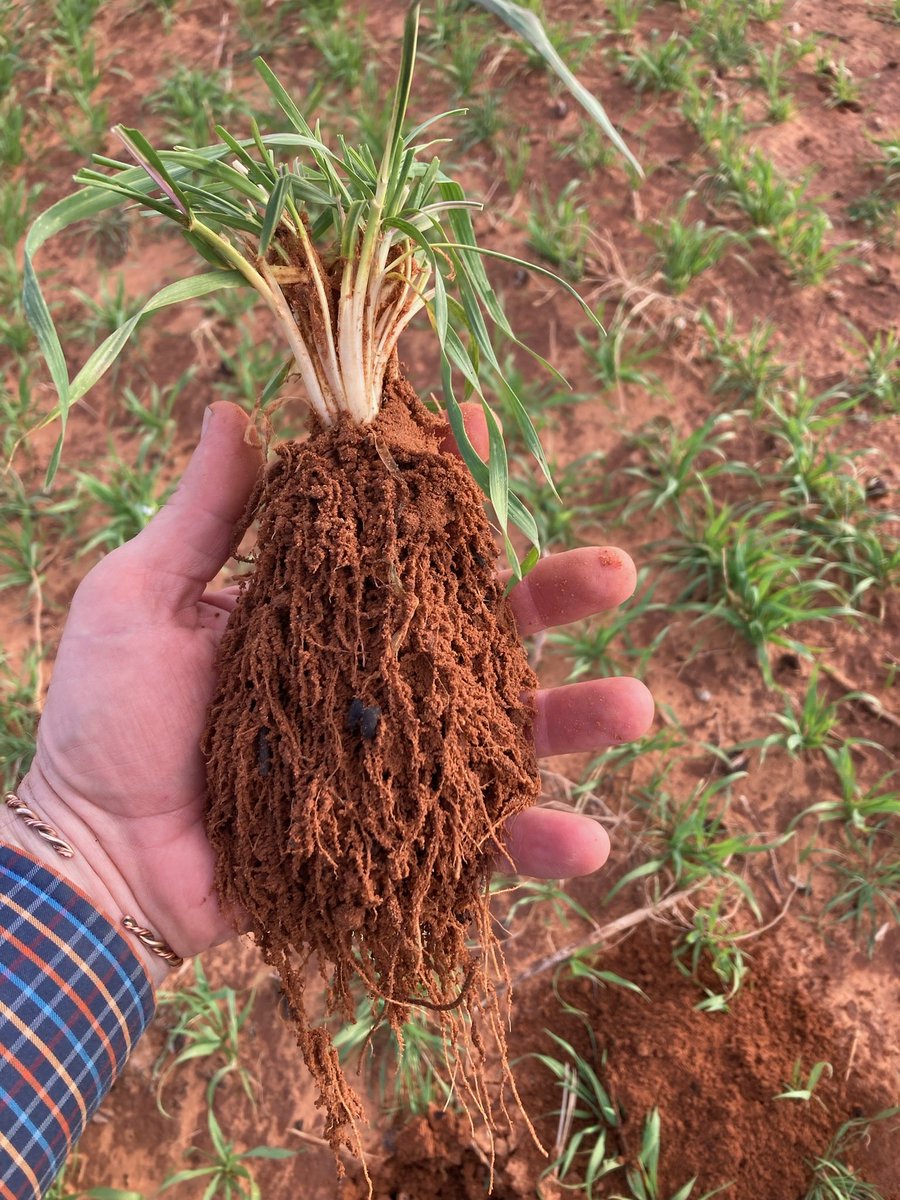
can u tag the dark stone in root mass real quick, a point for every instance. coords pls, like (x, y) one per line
(369, 739)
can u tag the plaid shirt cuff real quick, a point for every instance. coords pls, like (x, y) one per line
(74, 999)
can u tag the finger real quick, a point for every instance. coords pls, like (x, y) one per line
(570, 586)
(588, 716)
(476, 430)
(190, 538)
(224, 599)
(549, 844)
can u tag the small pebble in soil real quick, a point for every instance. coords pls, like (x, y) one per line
(704, 695)
(368, 722)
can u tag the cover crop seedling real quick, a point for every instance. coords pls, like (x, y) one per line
(369, 738)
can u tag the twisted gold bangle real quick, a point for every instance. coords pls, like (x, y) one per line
(146, 936)
(41, 828)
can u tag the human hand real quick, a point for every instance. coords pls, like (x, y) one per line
(118, 768)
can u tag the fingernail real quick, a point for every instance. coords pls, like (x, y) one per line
(207, 416)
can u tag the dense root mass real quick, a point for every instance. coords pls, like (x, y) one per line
(369, 738)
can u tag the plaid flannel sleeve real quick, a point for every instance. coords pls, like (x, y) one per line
(74, 999)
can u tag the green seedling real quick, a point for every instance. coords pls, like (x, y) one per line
(721, 33)
(878, 381)
(660, 65)
(581, 1157)
(108, 237)
(868, 884)
(863, 811)
(720, 126)
(152, 415)
(456, 49)
(843, 89)
(528, 894)
(17, 201)
(617, 643)
(588, 149)
(515, 155)
(771, 73)
(686, 250)
(617, 359)
(484, 120)
(413, 1070)
(833, 1178)
(341, 42)
(558, 512)
(801, 1087)
(16, 411)
(643, 1179)
(782, 213)
(765, 10)
(129, 495)
(108, 311)
(812, 726)
(229, 1173)
(750, 575)
(12, 128)
(711, 945)
(207, 1023)
(692, 843)
(665, 743)
(678, 464)
(194, 101)
(747, 365)
(559, 228)
(624, 15)
(815, 475)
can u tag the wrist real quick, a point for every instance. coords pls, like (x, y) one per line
(90, 869)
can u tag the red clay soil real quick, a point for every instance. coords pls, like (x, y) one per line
(713, 1077)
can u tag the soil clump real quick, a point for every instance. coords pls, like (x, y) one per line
(369, 738)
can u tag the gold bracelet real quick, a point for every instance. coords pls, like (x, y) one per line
(41, 828)
(146, 936)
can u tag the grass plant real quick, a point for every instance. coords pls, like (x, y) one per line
(832, 1177)
(20, 703)
(412, 1069)
(771, 74)
(559, 228)
(710, 947)
(686, 250)
(206, 1023)
(691, 842)
(229, 1172)
(581, 1156)
(748, 367)
(866, 879)
(659, 64)
(643, 1177)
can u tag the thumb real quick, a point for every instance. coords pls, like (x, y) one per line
(190, 537)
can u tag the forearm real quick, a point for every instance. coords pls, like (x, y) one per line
(75, 995)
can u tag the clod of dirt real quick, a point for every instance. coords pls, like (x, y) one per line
(369, 738)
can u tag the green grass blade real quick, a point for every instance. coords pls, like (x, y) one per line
(106, 354)
(138, 146)
(273, 212)
(529, 27)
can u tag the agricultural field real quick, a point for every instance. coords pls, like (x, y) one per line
(716, 1012)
